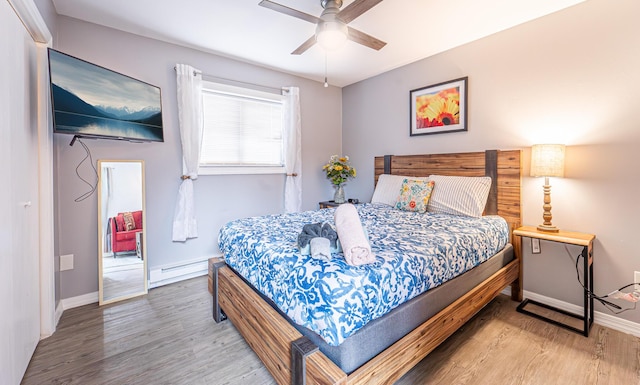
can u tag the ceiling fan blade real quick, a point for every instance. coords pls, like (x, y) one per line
(366, 40)
(289, 11)
(355, 9)
(305, 46)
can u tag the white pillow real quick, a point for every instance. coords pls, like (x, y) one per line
(459, 195)
(388, 188)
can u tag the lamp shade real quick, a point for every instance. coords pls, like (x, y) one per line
(547, 160)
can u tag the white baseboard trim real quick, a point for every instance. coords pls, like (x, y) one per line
(153, 285)
(604, 319)
(167, 274)
(81, 300)
(58, 315)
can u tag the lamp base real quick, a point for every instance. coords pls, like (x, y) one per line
(549, 229)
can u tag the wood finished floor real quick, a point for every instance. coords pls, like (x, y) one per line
(169, 337)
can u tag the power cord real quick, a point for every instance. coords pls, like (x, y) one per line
(608, 305)
(92, 187)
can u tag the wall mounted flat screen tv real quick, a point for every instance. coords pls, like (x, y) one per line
(94, 102)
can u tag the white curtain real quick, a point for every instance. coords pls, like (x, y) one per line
(293, 152)
(189, 81)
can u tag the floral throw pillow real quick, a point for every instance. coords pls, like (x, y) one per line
(414, 195)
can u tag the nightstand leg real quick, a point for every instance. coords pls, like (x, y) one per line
(591, 284)
(588, 284)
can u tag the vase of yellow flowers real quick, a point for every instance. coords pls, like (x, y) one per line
(338, 171)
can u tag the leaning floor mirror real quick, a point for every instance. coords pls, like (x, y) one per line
(122, 255)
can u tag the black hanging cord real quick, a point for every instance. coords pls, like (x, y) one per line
(92, 187)
(601, 299)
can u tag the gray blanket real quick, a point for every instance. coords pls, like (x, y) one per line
(314, 230)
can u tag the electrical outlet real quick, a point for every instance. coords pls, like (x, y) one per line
(636, 280)
(535, 246)
(66, 262)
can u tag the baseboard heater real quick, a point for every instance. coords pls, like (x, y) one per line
(179, 272)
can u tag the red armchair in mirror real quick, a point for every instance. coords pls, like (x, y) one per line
(124, 227)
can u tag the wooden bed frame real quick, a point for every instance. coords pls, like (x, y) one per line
(293, 359)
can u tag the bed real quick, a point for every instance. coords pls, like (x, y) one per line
(296, 354)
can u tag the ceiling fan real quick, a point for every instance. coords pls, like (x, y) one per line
(331, 27)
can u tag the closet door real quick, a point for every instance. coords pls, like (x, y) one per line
(19, 226)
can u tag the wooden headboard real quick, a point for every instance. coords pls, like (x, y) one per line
(504, 168)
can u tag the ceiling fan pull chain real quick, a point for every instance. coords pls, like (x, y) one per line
(326, 84)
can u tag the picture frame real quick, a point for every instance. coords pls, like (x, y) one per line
(439, 108)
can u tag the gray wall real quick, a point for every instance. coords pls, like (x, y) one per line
(218, 198)
(572, 77)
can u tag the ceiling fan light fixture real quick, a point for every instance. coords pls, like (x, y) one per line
(331, 31)
(331, 37)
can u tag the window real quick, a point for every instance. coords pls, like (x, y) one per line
(243, 131)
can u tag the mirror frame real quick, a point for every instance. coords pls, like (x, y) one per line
(101, 299)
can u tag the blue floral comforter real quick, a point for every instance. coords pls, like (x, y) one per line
(414, 252)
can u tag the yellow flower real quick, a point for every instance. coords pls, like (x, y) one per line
(338, 170)
(438, 109)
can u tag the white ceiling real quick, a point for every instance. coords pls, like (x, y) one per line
(240, 29)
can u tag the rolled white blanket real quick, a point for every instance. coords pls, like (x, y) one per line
(320, 248)
(354, 241)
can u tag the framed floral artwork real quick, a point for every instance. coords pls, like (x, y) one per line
(439, 108)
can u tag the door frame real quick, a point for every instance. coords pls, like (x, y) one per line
(31, 18)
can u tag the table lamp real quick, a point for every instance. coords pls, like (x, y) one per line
(547, 160)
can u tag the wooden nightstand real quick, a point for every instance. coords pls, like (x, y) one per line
(571, 238)
(328, 204)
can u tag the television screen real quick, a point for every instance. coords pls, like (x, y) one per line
(91, 101)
